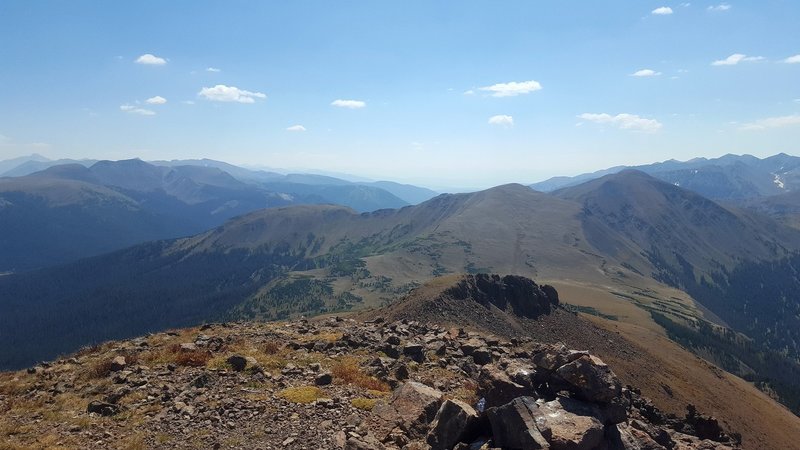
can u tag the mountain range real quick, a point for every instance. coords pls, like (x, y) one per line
(626, 246)
(637, 255)
(68, 211)
(729, 177)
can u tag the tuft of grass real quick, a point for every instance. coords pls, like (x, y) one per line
(16, 386)
(189, 358)
(135, 442)
(100, 369)
(364, 403)
(348, 371)
(302, 394)
(467, 393)
(272, 347)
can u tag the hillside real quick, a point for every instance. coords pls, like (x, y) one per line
(784, 208)
(50, 222)
(322, 383)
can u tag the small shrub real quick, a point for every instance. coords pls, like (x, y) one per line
(303, 394)
(272, 347)
(364, 403)
(192, 358)
(188, 358)
(100, 369)
(348, 371)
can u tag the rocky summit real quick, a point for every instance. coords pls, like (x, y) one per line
(337, 383)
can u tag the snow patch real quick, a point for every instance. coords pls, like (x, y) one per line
(778, 182)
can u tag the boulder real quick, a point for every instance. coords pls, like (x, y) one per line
(188, 347)
(569, 424)
(590, 378)
(412, 407)
(238, 362)
(471, 345)
(514, 425)
(553, 358)
(118, 363)
(482, 356)
(103, 408)
(497, 388)
(323, 379)
(625, 437)
(453, 424)
(414, 351)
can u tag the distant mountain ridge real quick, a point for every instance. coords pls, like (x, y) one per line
(409, 194)
(730, 177)
(74, 210)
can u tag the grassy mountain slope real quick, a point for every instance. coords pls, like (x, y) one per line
(633, 239)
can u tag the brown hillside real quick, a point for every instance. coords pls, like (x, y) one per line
(670, 375)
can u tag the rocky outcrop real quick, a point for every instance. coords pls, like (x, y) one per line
(338, 383)
(512, 293)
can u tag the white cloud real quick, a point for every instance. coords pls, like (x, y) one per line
(623, 121)
(213, 69)
(188, 102)
(469, 92)
(736, 58)
(296, 128)
(512, 89)
(151, 60)
(792, 59)
(686, 4)
(662, 11)
(645, 73)
(350, 104)
(772, 122)
(502, 120)
(222, 93)
(132, 109)
(157, 100)
(720, 7)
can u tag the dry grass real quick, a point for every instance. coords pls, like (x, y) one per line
(302, 394)
(364, 403)
(135, 442)
(348, 371)
(101, 368)
(272, 347)
(16, 386)
(467, 393)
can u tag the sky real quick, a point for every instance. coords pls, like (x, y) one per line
(461, 93)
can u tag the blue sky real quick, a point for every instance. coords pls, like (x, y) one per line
(461, 93)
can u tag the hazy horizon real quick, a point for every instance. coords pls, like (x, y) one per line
(426, 94)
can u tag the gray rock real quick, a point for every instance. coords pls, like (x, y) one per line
(414, 351)
(569, 424)
(451, 425)
(514, 425)
(591, 378)
(323, 379)
(411, 407)
(497, 388)
(237, 362)
(482, 356)
(103, 408)
(118, 363)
